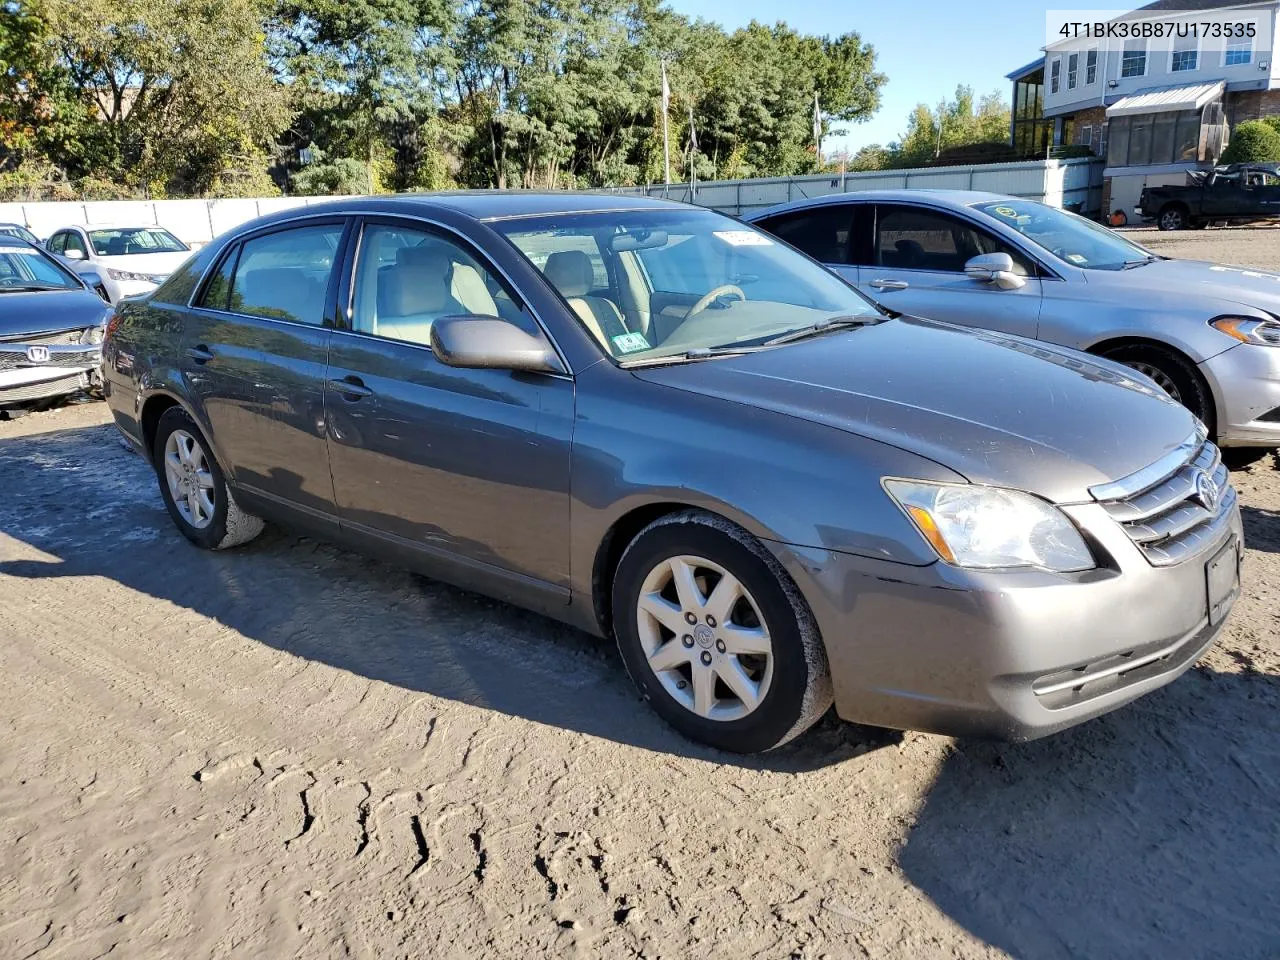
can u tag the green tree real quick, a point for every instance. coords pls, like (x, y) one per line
(953, 123)
(1253, 141)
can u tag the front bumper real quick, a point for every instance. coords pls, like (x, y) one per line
(1009, 654)
(41, 383)
(119, 289)
(1245, 381)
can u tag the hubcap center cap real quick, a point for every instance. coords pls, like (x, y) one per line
(704, 636)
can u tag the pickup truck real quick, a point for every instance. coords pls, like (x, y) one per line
(1237, 193)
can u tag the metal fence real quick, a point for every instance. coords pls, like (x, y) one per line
(1074, 183)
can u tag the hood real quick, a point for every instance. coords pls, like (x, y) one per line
(49, 311)
(998, 410)
(159, 264)
(1184, 278)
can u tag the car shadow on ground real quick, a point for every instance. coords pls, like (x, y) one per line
(1153, 832)
(1262, 529)
(93, 509)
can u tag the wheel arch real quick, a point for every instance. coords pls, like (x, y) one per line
(1103, 347)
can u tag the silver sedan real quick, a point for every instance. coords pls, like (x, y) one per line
(1207, 333)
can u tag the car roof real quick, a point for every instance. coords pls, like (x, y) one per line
(943, 198)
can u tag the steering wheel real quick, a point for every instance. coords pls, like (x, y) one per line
(711, 296)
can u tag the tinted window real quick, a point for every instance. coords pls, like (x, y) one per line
(24, 267)
(181, 283)
(13, 230)
(283, 275)
(407, 279)
(822, 233)
(910, 238)
(73, 242)
(539, 246)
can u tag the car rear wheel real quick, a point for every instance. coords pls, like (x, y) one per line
(1173, 218)
(1176, 375)
(716, 635)
(193, 488)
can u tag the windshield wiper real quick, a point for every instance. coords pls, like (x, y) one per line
(821, 327)
(689, 356)
(1130, 264)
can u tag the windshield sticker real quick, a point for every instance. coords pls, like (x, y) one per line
(1077, 258)
(1009, 212)
(743, 238)
(630, 342)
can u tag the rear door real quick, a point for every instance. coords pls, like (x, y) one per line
(915, 264)
(457, 464)
(254, 357)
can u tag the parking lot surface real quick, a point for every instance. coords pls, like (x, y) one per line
(289, 750)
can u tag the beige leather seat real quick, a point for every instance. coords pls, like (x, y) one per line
(414, 293)
(468, 288)
(570, 272)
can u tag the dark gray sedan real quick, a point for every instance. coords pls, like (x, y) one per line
(661, 425)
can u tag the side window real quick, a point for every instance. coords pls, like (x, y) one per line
(58, 242)
(285, 275)
(408, 278)
(74, 242)
(911, 238)
(217, 292)
(539, 248)
(822, 233)
(182, 282)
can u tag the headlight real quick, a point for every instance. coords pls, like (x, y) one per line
(92, 335)
(989, 527)
(1265, 333)
(128, 275)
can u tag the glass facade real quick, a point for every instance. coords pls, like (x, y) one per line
(1032, 133)
(1152, 138)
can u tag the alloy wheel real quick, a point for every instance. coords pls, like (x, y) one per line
(1162, 379)
(704, 638)
(191, 485)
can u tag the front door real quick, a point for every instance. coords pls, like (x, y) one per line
(915, 264)
(470, 465)
(254, 357)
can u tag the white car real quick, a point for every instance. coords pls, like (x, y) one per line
(131, 260)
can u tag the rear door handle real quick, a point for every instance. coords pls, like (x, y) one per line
(200, 353)
(352, 388)
(886, 285)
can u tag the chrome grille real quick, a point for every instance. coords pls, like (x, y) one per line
(1168, 509)
(15, 358)
(47, 339)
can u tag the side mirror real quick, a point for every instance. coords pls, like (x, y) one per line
(994, 268)
(91, 277)
(75, 255)
(487, 343)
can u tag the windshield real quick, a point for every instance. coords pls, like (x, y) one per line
(14, 230)
(1072, 239)
(124, 241)
(654, 283)
(25, 268)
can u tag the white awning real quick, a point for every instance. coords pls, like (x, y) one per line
(1191, 97)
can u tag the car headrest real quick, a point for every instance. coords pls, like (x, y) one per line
(117, 246)
(570, 272)
(284, 289)
(417, 284)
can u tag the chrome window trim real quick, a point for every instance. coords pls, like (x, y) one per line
(233, 238)
(1153, 473)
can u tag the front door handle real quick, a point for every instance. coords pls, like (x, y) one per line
(200, 353)
(887, 285)
(351, 388)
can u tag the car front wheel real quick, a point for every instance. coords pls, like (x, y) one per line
(193, 488)
(1172, 218)
(716, 635)
(1174, 374)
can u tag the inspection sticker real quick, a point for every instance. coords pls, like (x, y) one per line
(744, 238)
(630, 342)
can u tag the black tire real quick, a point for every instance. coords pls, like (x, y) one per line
(1175, 373)
(1173, 217)
(230, 525)
(799, 691)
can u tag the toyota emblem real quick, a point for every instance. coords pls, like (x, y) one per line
(38, 354)
(1207, 490)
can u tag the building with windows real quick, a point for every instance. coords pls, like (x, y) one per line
(1153, 108)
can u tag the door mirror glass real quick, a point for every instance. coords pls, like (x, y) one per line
(490, 344)
(994, 268)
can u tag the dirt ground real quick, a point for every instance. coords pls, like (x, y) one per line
(287, 750)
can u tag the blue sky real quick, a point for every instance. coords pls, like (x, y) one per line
(925, 47)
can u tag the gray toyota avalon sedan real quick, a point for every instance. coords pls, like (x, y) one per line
(664, 426)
